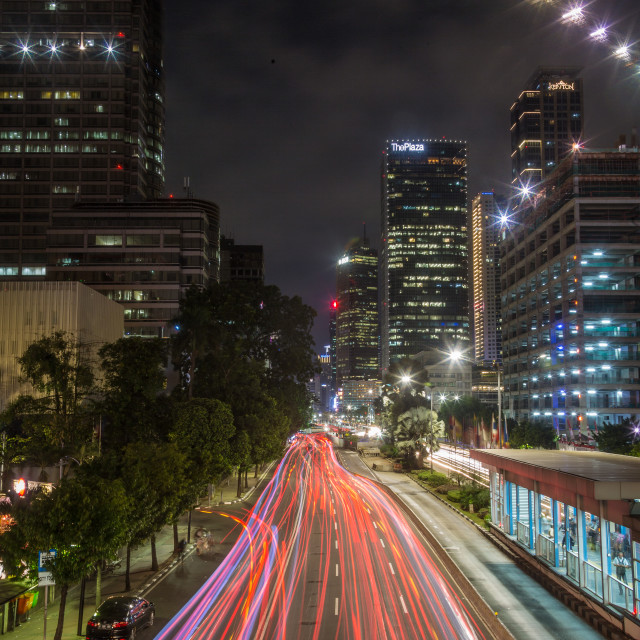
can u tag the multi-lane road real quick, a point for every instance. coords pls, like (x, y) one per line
(325, 554)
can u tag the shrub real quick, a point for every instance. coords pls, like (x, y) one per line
(477, 496)
(389, 450)
(437, 479)
(455, 495)
(445, 488)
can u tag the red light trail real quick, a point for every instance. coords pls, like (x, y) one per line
(323, 554)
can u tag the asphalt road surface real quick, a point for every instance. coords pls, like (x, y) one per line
(323, 554)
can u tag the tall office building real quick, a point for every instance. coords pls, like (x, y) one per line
(546, 121)
(485, 278)
(357, 314)
(81, 115)
(424, 247)
(333, 312)
(570, 276)
(143, 255)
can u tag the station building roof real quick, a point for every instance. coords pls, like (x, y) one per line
(597, 475)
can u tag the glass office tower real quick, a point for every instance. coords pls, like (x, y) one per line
(81, 115)
(357, 314)
(424, 269)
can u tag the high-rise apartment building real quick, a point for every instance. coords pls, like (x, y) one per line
(485, 277)
(424, 247)
(357, 314)
(546, 121)
(81, 114)
(570, 276)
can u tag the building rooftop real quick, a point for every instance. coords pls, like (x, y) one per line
(613, 477)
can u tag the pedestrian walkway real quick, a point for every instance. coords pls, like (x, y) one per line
(524, 606)
(141, 575)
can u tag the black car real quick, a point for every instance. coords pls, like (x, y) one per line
(120, 617)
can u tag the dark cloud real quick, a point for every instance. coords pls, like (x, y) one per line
(279, 111)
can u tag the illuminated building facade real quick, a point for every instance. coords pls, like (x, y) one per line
(570, 277)
(333, 312)
(81, 115)
(485, 278)
(143, 255)
(357, 314)
(425, 291)
(546, 120)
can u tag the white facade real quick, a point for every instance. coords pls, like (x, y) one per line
(31, 310)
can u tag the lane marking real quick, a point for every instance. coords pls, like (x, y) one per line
(382, 542)
(337, 571)
(375, 525)
(392, 571)
(335, 526)
(336, 607)
(336, 544)
(404, 606)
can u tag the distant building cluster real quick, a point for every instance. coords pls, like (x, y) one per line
(537, 289)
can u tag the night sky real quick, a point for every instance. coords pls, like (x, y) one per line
(278, 111)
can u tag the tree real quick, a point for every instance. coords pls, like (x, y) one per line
(54, 419)
(241, 448)
(202, 431)
(532, 435)
(133, 378)
(83, 519)
(255, 346)
(194, 323)
(616, 438)
(417, 429)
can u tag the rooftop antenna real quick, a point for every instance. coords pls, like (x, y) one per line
(187, 187)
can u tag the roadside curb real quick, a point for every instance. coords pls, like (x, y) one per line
(162, 571)
(245, 496)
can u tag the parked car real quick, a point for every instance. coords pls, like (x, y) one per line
(120, 617)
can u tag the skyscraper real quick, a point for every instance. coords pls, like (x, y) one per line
(546, 121)
(357, 314)
(81, 115)
(424, 247)
(485, 278)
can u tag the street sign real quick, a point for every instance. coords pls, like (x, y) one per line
(45, 577)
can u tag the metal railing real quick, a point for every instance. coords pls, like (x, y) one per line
(592, 578)
(523, 533)
(620, 594)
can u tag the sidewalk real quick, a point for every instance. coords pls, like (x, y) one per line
(142, 577)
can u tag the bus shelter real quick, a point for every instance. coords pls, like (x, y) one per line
(577, 511)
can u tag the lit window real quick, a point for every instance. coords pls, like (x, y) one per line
(66, 95)
(108, 241)
(34, 271)
(11, 95)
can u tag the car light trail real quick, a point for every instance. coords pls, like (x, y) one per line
(278, 580)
